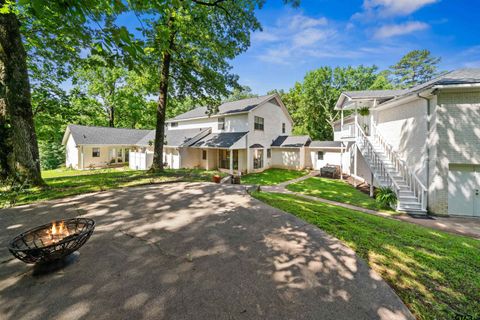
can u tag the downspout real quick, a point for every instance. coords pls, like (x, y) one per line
(428, 141)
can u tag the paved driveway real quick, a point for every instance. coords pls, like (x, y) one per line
(190, 251)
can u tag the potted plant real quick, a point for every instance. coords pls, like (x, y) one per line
(217, 178)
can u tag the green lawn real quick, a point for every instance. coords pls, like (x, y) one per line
(62, 182)
(272, 176)
(335, 190)
(436, 274)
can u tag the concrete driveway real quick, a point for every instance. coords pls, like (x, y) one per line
(190, 251)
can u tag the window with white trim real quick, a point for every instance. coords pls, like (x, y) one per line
(320, 155)
(204, 154)
(173, 124)
(95, 152)
(258, 123)
(221, 123)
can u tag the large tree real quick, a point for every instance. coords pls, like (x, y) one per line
(312, 102)
(40, 35)
(193, 41)
(414, 68)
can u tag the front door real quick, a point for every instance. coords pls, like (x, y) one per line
(464, 190)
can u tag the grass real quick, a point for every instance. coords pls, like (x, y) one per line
(64, 182)
(436, 274)
(271, 176)
(335, 190)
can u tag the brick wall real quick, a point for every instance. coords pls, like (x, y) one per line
(454, 138)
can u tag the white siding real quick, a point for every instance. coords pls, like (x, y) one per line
(405, 129)
(288, 158)
(273, 116)
(71, 153)
(95, 162)
(190, 158)
(233, 123)
(330, 156)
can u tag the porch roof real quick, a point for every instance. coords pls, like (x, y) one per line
(326, 144)
(291, 141)
(219, 140)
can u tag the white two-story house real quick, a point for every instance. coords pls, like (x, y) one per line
(423, 142)
(248, 135)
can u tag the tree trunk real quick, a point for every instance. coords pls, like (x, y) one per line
(24, 162)
(157, 164)
(111, 116)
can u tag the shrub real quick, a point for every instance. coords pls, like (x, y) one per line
(52, 155)
(364, 111)
(386, 197)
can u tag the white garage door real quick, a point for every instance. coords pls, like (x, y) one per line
(464, 190)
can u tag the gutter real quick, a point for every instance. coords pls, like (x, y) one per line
(428, 141)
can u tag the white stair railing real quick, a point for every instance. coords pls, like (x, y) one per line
(374, 161)
(410, 178)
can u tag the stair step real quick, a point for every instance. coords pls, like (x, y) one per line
(411, 198)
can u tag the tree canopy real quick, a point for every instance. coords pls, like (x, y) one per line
(311, 103)
(415, 67)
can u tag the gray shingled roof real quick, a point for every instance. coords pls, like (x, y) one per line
(232, 107)
(456, 77)
(291, 141)
(372, 94)
(88, 135)
(325, 144)
(185, 137)
(219, 140)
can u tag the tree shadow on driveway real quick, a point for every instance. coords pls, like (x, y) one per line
(190, 251)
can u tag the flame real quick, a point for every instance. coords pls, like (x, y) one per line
(59, 231)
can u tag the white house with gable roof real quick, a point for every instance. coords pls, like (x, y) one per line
(248, 135)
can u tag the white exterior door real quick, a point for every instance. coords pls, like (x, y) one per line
(464, 190)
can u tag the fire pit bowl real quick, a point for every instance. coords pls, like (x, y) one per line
(52, 241)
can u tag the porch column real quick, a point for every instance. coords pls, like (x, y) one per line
(207, 167)
(355, 159)
(231, 161)
(341, 120)
(356, 123)
(248, 155)
(341, 161)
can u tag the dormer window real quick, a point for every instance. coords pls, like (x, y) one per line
(221, 123)
(173, 124)
(258, 123)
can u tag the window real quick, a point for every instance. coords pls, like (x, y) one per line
(283, 128)
(204, 154)
(258, 123)
(221, 123)
(269, 153)
(173, 124)
(95, 152)
(320, 155)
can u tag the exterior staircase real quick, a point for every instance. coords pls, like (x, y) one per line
(390, 171)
